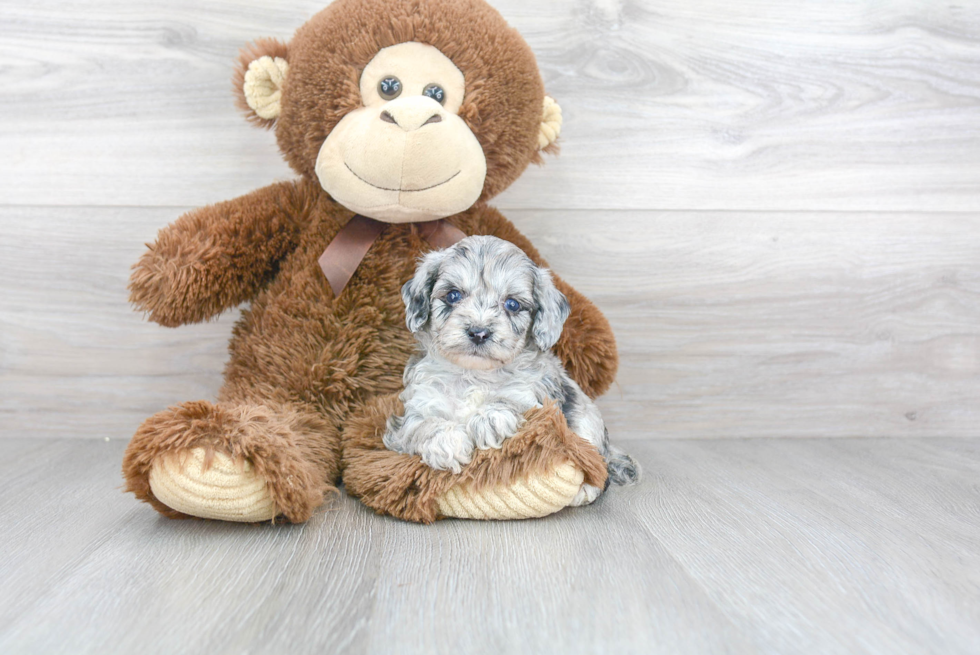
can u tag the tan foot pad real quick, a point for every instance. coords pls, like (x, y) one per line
(226, 491)
(526, 499)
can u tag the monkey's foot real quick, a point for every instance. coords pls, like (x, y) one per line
(528, 498)
(227, 490)
(233, 462)
(536, 472)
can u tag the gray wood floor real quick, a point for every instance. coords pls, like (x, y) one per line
(728, 546)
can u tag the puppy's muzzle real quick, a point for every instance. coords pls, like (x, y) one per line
(479, 335)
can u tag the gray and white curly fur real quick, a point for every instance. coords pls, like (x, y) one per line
(486, 319)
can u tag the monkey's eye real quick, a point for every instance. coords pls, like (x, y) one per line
(435, 92)
(390, 87)
(512, 305)
(454, 296)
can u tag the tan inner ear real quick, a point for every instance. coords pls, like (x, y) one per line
(263, 85)
(550, 123)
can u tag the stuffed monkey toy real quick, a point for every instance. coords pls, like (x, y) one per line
(403, 118)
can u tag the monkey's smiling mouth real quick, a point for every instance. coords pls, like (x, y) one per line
(401, 190)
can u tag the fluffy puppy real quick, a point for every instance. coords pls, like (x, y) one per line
(486, 318)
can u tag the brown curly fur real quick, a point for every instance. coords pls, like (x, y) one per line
(305, 364)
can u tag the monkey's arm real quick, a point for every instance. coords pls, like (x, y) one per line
(587, 347)
(216, 257)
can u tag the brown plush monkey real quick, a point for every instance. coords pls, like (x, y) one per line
(402, 118)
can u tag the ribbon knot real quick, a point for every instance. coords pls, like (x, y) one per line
(347, 250)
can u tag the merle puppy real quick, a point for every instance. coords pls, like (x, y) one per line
(486, 318)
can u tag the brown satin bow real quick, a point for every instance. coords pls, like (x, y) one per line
(345, 253)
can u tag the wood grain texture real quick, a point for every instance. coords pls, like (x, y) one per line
(727, 546)
(729, 324)
(761, 104)
(74, 357)
(766, 324)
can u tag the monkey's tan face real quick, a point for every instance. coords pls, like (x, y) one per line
(406, 155)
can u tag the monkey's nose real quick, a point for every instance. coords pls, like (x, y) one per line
(409, 119)
(479, 335)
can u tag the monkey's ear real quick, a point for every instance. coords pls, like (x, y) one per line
(416, 292)
(550, 126)
(259, 78)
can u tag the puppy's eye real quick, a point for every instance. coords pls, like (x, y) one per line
(454, 296)
(389, 88)
(512, 305)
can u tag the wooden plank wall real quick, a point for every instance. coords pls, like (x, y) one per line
(777, 203)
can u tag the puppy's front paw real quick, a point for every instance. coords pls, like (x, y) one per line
(448, 449)
(489, 426)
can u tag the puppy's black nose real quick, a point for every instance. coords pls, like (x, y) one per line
(478, 335)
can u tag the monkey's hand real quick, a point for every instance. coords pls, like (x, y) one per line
(216, 257)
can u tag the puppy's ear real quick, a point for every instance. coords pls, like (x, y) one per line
(552, 310)
(417, 292)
